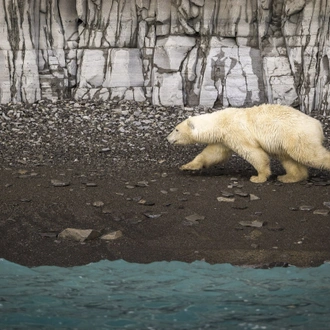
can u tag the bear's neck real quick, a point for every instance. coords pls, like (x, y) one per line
(210, 137)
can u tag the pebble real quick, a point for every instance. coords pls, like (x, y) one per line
(105, 150)
(152, 216)
(136, 198)
(22, 172)
(254, 223)
(147, 203)
(327, 204)
(91, 184)
(79, 234)
(254, 197)
(293, 208)
(305, 208)
(227, 194)
(112, 236)
(142, 184)
(226, 199)
(25, 200)
(98, 204)
(59, 183)
(241, 193)
(321, 212)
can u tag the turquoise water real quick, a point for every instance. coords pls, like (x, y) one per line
(163, 295)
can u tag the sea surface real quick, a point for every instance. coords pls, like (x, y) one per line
(163, 295)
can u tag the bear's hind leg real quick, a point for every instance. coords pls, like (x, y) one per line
(211, 155)
(295, 171)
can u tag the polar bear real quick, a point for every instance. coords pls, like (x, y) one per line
(256, 134)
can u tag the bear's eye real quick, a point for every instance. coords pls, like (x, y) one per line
(176, 130)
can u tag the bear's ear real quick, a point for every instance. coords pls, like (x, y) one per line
(190, 124)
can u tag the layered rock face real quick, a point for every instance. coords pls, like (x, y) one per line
(179, 52)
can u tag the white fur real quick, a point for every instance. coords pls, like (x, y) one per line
(257, 133)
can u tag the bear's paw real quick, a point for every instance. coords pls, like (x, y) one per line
(258, 179)
(191, 167)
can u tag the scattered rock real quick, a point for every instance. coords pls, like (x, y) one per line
(98, 204)
(241, 193)
(195, 217)
(327, 204)
(112, 236)
(152, 216)
(103, 150)
(25, 200)
(293, 208)
(254, 223)
(79, 235)
(22, 172)
(305, 208)
(59, 183)
(26, 174)
(254, 197)
(226, 194)
(146, 203)
(142, 184)
(91, 184)
(226, 199)
(321, 212)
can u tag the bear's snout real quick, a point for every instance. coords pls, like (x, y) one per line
(171, 139)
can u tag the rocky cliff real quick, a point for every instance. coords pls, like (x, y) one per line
(175, 52)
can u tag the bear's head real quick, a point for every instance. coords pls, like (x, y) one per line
(197, 129)
(183, 133)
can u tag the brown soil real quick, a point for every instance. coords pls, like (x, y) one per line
(33, 212)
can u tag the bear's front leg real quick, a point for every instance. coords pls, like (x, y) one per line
(211, 155)
(259, 159)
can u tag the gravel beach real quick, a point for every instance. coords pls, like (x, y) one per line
(107, 167)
